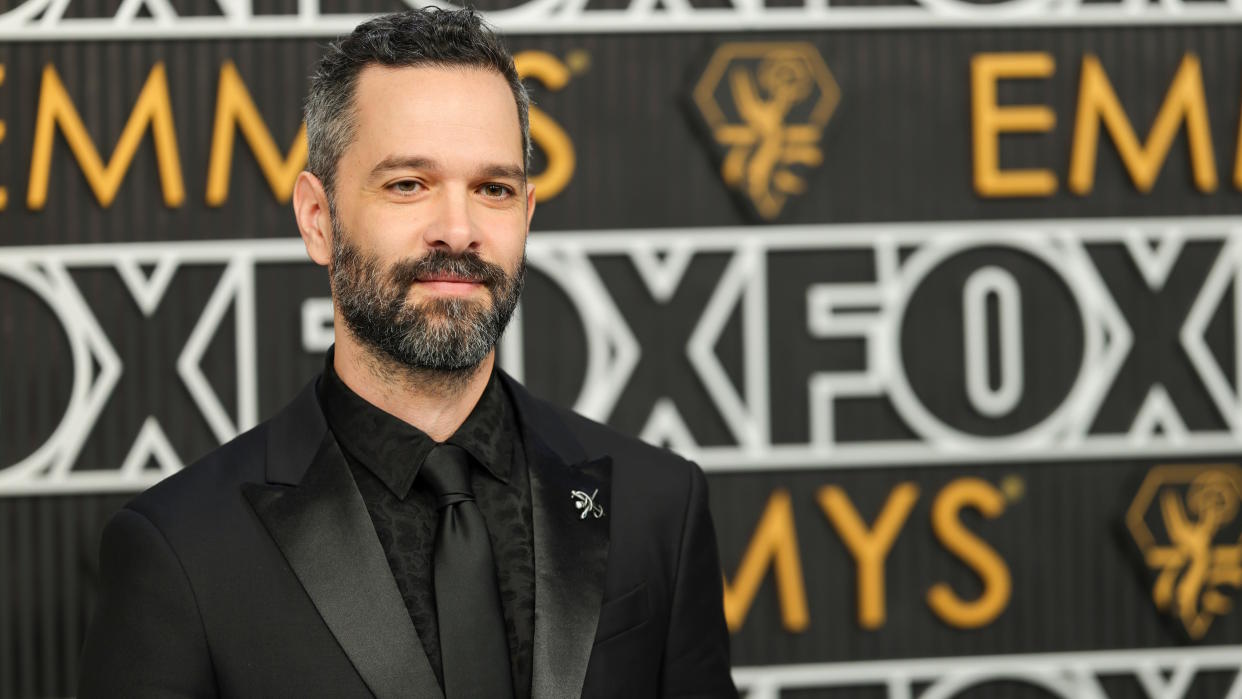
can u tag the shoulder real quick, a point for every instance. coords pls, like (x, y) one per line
(205, 485)
(637, 466)
(208, 493)
(211, 485)
(190, 522)
(598, 437)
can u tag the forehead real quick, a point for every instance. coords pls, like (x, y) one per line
(432, 110)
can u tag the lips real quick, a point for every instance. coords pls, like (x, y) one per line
(439, 271)
(450, 279)
(449, 285)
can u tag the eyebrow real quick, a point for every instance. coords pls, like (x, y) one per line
(496, 171)
(501, 172)
(401, 162)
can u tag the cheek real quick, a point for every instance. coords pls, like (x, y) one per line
(508, 236)
(388, 231)
(512, 249)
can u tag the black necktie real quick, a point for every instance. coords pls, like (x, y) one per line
(473, 642)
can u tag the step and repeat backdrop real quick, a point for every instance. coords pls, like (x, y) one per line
(945, 296)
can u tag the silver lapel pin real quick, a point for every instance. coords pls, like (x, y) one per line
(586, 503)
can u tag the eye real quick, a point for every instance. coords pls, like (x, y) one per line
(406, 186)
(496, 191)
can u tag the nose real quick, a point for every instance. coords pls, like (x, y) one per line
(453, 229)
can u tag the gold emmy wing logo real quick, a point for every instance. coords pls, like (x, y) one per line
(766, 106)
(1185, 520)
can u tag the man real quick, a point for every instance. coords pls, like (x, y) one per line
(415, 524)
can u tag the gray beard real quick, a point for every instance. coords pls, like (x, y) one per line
(446, 336)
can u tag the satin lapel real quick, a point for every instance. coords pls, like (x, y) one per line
(571, 558)
(322, 527)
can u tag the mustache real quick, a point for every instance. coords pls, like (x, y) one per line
(468, 265)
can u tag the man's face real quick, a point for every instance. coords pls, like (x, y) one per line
(431, 215)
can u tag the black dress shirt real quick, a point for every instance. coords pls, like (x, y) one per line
(385, 454)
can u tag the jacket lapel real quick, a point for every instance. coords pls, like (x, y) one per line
(571, 550)
(315, 514)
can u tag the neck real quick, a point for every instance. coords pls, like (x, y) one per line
(433, 401)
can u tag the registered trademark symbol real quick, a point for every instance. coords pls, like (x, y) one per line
(1013, 487)
(578, 60)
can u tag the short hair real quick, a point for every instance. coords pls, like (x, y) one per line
(421, 37)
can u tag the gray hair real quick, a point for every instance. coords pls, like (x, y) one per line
(423, 37)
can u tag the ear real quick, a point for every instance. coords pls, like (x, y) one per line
(530, 203)
(310, 207)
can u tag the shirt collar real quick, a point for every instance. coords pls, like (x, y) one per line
(394, 450)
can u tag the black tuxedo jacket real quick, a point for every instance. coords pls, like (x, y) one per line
(257, 572)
